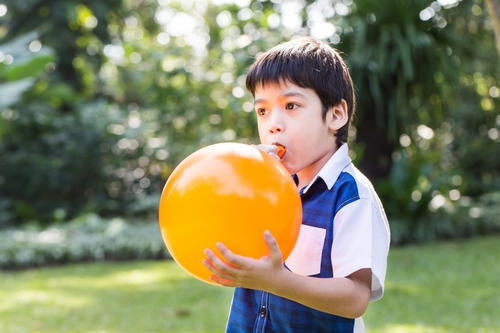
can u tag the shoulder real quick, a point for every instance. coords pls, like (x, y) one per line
(352, 186)
(352, 182)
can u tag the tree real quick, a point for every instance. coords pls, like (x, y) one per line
(494, 12)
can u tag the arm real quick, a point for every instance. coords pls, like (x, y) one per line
(343, 296)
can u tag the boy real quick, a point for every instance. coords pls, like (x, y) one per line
(304, 101)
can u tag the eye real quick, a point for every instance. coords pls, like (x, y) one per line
(260, 111)
(291, 106)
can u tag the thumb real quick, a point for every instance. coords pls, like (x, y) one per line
(272, 245)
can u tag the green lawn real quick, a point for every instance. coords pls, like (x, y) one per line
(446, 287)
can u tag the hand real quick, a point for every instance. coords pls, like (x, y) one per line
(240, 271)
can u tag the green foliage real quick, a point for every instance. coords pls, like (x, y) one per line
(427, 120)
(70, 153)
(388, 46)
(429, 193)
(24, 66)
(106, 98)
(88, 238)
(408, 61)
(450, 220)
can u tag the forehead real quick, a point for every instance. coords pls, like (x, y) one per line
(282, 89)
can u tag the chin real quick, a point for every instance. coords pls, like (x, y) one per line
(291, 170)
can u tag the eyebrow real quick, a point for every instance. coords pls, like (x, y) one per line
(287, 94)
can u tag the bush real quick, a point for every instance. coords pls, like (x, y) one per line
(88, 238)
(461, 219)
(55, 164)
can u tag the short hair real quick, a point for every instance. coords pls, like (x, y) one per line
(307, 63)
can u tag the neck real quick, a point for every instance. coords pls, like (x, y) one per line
(307, 174)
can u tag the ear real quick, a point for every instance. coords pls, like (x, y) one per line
(337, 116)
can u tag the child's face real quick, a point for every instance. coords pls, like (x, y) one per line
(292, 116)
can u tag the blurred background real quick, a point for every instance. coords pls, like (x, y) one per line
(100, 100)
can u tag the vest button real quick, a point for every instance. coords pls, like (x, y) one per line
(262, 311)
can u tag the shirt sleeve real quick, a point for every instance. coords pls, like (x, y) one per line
(361, 240)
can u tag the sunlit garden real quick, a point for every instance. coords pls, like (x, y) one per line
(101, 100)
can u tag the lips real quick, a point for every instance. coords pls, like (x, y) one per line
(281, 149)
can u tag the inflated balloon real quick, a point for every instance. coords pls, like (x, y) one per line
(229, 193)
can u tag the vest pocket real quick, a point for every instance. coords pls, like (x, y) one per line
(305, 258)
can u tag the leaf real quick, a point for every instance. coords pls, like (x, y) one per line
(33, 67)
(12, 91)
(18, 45)
(405, 55)
(25, 62)
(383, 49)
(374, 85)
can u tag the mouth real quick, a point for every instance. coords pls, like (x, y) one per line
(281, 149)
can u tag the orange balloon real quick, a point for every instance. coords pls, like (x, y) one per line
(229, 193)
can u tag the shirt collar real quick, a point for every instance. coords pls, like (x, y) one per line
(333, 167)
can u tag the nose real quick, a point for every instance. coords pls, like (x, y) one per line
(276, 122)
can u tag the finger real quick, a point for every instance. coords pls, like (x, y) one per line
(210, 266)
(272, 245)
(219, 265)
(235, 260)
(223, 282)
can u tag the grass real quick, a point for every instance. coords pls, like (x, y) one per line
(446, 287)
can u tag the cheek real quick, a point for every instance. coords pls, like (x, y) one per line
(264, 126)
(299, 137)
(261, 131)
(307, 140)
(260, 126)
